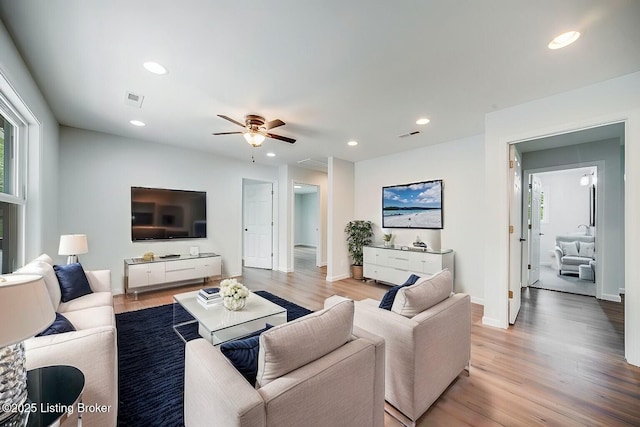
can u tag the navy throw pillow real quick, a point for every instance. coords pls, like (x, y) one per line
(243, 354)
(73, 281)
(59, 326)
(387, 300)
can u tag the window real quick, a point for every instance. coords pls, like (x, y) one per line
(11, 199)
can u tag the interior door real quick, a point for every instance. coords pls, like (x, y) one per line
(534, 232)
(515, 233)
(258, 225)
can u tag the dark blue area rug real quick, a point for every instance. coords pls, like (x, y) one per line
(151, 363)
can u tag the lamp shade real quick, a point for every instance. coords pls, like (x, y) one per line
(73, 244)
(25, 307)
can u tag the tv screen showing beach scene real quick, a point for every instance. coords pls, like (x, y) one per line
(417, 205)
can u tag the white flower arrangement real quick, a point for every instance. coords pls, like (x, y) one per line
(234, 294)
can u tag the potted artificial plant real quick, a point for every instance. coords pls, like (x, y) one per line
(359, 235)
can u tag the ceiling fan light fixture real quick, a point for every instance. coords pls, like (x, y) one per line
(254, 138)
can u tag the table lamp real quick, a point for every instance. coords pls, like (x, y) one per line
(73, 245)
(25, 310)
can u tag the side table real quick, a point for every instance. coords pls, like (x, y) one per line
(53, 393)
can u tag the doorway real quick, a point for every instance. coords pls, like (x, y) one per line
(306, 229)
(603, 148)
(562, 209)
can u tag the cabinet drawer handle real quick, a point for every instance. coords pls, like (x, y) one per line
(401, 259)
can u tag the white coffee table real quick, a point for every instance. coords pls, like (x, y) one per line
(217, 324)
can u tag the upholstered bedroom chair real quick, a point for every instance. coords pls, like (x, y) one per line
(427, 333)
(314, 371)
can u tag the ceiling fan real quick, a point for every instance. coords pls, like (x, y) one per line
(256, 129)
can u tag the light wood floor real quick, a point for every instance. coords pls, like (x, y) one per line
(562, 364)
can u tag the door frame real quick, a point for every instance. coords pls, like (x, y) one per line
(600, 211)
(319, 241)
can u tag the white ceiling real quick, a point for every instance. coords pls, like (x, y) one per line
(332, 70)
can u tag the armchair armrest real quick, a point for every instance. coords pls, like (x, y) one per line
(99, 280)
(215, 390)
(559, 255)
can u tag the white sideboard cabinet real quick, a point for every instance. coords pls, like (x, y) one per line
(394, 265)
(141, 275)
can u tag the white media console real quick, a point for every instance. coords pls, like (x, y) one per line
(394, 265)
(141, 275)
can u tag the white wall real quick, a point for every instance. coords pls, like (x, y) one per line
(567, 206)
(459, 164)
(606, 102)
(341, 211)
(306, 219)
(41, 222)
(97, 172)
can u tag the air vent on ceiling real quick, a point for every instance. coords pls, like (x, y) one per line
(315, 164)
(133, 99)
(415, 132)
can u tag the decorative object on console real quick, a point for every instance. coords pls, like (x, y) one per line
(234, 294)
(73, 245)
(416, 205)
(387, 237)
(419, 243)
(359, 235)
(25, 310)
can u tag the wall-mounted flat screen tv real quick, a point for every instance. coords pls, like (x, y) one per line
(417, 205)
(163, 214)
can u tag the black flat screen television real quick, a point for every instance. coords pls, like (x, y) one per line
(416, 205)
(163, 214)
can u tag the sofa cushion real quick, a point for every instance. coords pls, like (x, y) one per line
(387, 300)
(44, 269)
(287, 347)
(73, 281)
(569, 248)
(94, 299)
(60, 325)
(587, 250)
(426, 293)
(91, 317)
(575, 260)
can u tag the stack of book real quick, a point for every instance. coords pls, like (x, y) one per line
(209, 297)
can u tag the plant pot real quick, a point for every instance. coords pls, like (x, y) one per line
(356, 272)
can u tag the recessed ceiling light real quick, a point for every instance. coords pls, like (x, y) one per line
(564, 39)
(352, 143)
(271, 154)
(422, 121)
(297, 186)
(137, 123)
(155, 68)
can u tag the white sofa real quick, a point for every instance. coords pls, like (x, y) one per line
(92, 347)
(574, 251)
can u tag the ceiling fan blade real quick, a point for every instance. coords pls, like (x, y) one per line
(274, 124)
(281, 138)
(226, 133)
(231, 120)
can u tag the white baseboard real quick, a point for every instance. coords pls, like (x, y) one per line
(491, 322)
(286, 270)
(610, 297)
(338, 277)
(479, 301)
